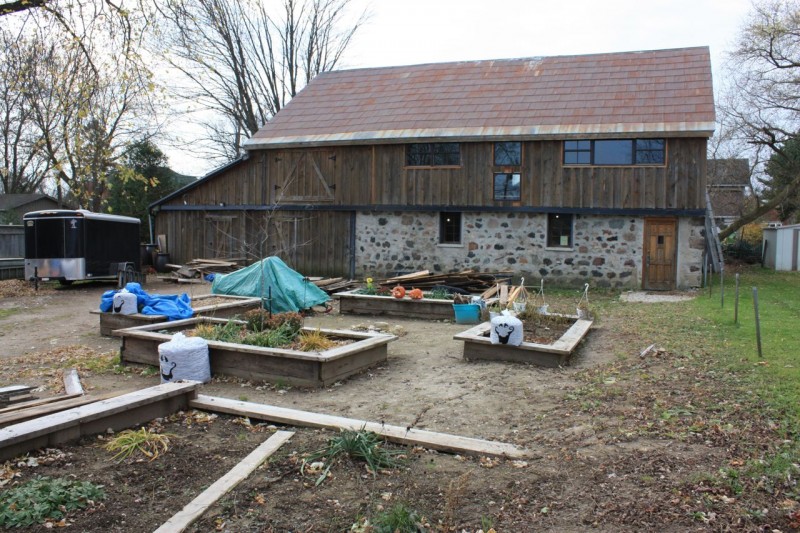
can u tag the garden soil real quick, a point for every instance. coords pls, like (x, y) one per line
(617, 442)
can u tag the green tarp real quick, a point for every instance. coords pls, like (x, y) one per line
(290, 291)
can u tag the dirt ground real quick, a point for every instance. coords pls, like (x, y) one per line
(617, 442)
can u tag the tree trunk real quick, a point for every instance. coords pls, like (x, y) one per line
(760, 210)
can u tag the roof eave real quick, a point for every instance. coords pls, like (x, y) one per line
(665, 129)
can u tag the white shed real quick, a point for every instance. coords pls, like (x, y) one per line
(781, 247)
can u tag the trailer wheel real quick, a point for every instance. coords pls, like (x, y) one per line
(65, 282)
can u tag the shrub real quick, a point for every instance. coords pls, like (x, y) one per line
(43, 498)
(259, 320)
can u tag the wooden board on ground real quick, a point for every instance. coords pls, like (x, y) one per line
(116, 413)
(36, 409)
(467, 280)
(195, 509)
(402, 435)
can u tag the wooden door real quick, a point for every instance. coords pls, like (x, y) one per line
(220, 241)
(660, 236)
(306, 177)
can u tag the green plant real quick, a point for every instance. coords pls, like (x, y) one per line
(260, 320)
(148, 443)
(440, 293)
(398, 519)
(313, 341)
(361, 445)
(282, 335)
(42, 499)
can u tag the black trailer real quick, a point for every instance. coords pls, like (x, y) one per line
(80, 245)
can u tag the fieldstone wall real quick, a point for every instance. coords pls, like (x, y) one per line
(606, 251)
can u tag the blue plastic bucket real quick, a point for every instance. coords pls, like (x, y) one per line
(467, 313)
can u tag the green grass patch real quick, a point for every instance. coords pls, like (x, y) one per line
(776, 376)
(5, 313)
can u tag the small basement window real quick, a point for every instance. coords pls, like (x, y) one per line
(559, 230)
(449, 228)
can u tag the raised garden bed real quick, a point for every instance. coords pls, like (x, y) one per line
(478, 346)
(367, 304)
(213, 305)
(294, 367)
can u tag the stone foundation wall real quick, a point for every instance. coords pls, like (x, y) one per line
(606, 251)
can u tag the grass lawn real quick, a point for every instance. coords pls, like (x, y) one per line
(776, 376)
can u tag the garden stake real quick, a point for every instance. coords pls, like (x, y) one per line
(736, 303)
(758, 324)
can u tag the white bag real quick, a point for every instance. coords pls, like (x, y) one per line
(184, 358)
(124, 303)
(506, 329)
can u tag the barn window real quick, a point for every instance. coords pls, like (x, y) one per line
(507, 154)
(507, 186)
(615, 152)
(433, 155)
(449, 228)
(559, 230)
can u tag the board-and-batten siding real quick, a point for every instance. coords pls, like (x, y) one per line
(347, 178)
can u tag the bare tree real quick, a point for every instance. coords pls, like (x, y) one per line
(761, 105)
(87, 108)
(244, 63)
(24, 164)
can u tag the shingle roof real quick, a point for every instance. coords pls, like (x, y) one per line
(725, 172)
(665, 92)
(12, 201)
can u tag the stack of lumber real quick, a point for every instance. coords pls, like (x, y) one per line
(331, 285)
(15, 394)
(468, 280)
(195, 270)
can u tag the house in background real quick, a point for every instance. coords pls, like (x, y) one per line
(571, 168)
(13, 206)
(729, 189)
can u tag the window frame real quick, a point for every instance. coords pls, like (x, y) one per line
(432, 153)
(518, 197)
(494, 154)
(444, 232)
(635, 151)
(549, 233)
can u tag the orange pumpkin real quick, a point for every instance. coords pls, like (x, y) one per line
(415, 294)
(399, 291)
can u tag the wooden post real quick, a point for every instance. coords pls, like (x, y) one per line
(736, 303)
(758, 324)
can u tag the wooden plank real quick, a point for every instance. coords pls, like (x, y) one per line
(35, 411)
(34, 403)
(195, 509)
(402, 435)
(72, 383)
(14, 390)
(94, 411)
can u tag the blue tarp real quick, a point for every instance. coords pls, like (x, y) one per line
(173, 306)
(289, 290)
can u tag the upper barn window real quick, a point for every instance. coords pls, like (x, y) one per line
(615, 152)
(433, 155)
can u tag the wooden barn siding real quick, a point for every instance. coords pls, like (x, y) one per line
(357, 178)
(372, 176)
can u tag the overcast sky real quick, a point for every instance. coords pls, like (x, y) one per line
(406, 32)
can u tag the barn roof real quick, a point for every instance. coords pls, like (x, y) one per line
(659, 92)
